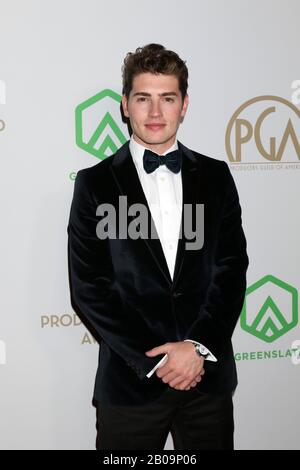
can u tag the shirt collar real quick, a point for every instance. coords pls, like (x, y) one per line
(137, 151)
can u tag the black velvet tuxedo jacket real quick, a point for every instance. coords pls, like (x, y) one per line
(122, 289)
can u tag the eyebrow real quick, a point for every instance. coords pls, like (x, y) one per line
(167, 93)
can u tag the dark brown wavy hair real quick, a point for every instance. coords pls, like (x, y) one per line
(156, 59)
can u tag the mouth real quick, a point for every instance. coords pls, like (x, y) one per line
(154, 126)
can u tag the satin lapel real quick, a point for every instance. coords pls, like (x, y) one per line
(190, 195)
(128, 182)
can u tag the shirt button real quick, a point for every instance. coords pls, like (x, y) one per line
(162, 178)
(171, 247)
(166, 212)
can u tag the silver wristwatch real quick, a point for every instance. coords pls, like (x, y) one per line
(201, 350)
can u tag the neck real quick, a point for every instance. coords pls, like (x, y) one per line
(159, 148)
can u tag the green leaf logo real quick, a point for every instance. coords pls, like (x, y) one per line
(99, 127)
(270, 309)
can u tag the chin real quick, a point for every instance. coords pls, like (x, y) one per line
(153, 141)
(156, 139)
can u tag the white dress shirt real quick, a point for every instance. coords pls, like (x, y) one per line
(163, 192)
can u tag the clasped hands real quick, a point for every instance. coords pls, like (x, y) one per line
(183, 368)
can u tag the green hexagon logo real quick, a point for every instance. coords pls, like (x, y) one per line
(99, 127)
(270, 309)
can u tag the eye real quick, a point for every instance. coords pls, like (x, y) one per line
(169, 99)
(142, 98)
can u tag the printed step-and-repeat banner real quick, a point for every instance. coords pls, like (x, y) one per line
(60, 92)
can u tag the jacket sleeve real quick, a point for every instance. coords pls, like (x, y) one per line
(223, 303)
(93, 295)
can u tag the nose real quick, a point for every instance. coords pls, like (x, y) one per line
(155, 109)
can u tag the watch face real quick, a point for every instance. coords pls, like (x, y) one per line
(202, 350)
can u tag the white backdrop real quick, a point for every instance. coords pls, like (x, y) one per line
(55, 55)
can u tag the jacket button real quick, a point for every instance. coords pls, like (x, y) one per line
(177, 294)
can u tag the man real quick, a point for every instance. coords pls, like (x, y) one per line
(163, 309)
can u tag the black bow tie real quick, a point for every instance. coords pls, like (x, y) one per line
(151, 161)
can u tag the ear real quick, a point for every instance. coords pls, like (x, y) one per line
(125, 106)
(185, 105)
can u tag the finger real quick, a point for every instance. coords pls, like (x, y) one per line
(164, 348)
(163, 371)
(195, 382)
(180, 384)
(176, 381)
(169, 377)
(192, 385)
(163, 362)
(183, 385)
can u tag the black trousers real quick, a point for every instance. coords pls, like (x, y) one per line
(196, 422)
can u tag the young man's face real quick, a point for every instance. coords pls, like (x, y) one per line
(155, 109)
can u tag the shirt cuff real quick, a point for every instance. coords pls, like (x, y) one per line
(159, 364)
(210, 356)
